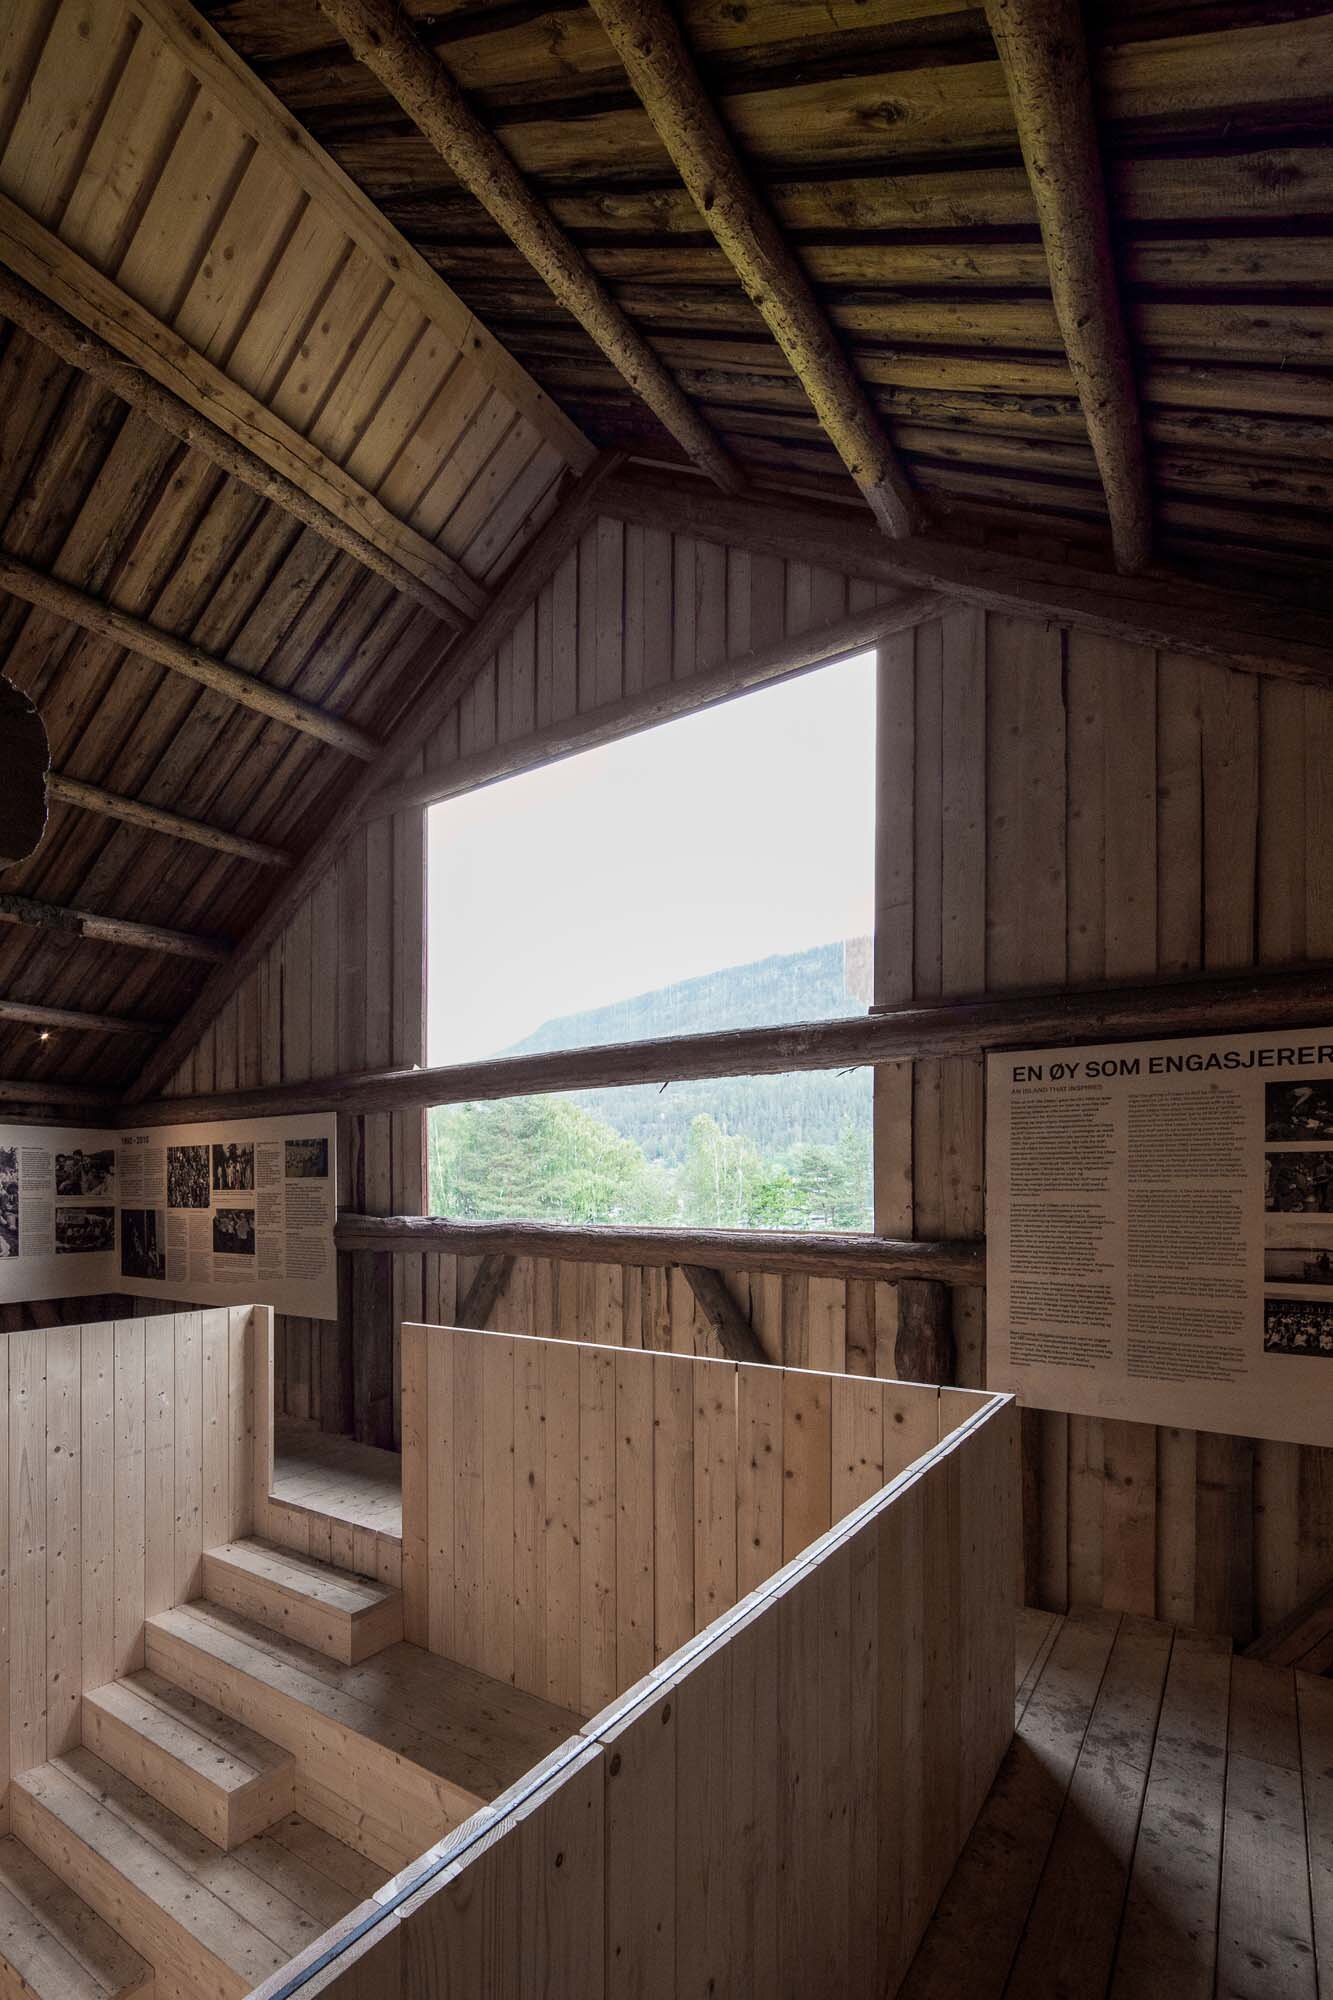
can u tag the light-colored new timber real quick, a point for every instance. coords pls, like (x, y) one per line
(391, 1754)
(348, 1617)
(52, 1945)
(220, 1777)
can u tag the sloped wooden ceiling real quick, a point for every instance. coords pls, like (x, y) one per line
(882, 133)
(150, 188)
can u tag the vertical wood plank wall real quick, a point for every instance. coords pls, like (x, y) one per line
(124, 1454)
(1073, 809)
(571, 1516)
(776, 1809)
(1055, 808)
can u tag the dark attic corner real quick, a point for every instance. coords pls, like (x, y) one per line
(666, 1055)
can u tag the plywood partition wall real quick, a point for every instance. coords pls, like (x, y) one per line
(573, 1514)
(126, 1451)
(774, 1810)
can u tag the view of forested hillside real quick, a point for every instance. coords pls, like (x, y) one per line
(774, 1152)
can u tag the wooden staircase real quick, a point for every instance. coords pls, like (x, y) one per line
(255, 1782)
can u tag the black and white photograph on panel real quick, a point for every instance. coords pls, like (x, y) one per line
(234, 1232)
(1298, 1111)
(81, 1230)
(1299, 1326)
(233, 1168)
(83, 1173)
(1298, 1183)
(307, 1159)
(1309, 1266)
(187, 1177)
(9, 1201)
(143, 1243)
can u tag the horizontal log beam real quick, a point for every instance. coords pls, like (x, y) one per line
(904, 1034)
(68, 305)
(86, 924)
(66, 1096)
(69, 1020)
(814, 1255)
(1256, 635)
(179, 656)
(155, 819)
(760, 668)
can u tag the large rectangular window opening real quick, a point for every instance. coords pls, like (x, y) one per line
(714, 872)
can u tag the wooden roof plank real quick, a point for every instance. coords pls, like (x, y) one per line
(427, 92)
(87, 320)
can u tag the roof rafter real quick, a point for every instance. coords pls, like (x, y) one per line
(155, 819)
(1044, 56)
(381, 38)
(48, 290)
(180, 656)
(70, 1020)
(649, 43)
(35, 915)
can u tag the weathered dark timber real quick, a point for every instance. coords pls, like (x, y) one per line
(81, 348)
(486, 1287)
(69, 1096)
(729, 678)
(846, 1256)
(460, 667)
(905, 1034)
(152, 819)
(1044, 55)
(25, 759)
(70, 1020)
(371, 1325)
(1257, 635)
(736, 1336)
(61, 922)
(924, 1348)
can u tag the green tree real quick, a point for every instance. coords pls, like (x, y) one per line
(540, 1159)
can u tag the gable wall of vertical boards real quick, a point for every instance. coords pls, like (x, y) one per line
(1056, 809)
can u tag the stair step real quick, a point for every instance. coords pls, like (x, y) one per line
(194, 1912)
(223, 1779)
(346, 1617)
(367, 1771)
(53, 1945)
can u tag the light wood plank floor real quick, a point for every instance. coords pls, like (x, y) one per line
(337, 1476)
(1161, 1829)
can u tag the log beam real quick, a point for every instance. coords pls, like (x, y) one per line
(802, 1253)
(647, 38)
(761, 668)
(380, 36)
(490, 1280)
(1043, 53)
(67, 1096)
(1255, 634)
(155, 819)
(67, 1020)
(464, 662)
(736, 1336)
(87, 924)
(67, 305)
(1228, 1004)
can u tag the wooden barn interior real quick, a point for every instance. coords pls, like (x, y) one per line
(398, 400)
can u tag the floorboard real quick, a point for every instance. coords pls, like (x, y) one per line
(336, 1476)
(1161, 1829)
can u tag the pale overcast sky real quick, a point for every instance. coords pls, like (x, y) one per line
(708, 842)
